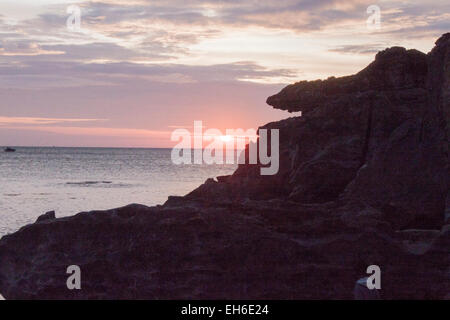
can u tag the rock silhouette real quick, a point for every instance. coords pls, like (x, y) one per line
(363, 180)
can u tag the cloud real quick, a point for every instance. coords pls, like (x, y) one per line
(25, 48)
(97, 131)
(359, 48)
(8, 121)
(45, 74)
(167, 30)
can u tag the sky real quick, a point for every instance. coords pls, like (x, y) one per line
(132, 71)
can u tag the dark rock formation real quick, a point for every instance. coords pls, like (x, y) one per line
(377, 136)
(363, 180)
(46, 216)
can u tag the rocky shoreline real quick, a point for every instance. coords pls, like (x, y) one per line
(363, 180)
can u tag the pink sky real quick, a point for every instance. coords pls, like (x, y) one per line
(136, 70)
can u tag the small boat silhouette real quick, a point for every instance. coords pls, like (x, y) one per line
(8, 149)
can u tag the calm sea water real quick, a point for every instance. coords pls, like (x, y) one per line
(70, 180)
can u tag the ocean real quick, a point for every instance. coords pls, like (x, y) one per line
(34, 180)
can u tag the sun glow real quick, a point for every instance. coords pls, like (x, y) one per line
(226, 138)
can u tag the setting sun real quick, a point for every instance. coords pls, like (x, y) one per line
(226, 138)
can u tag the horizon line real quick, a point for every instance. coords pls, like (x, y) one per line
(28, 146)
(22, 146)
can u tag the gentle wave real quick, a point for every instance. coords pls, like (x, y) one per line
(89, 182)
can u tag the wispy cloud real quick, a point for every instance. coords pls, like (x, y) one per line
(46, 74)
(24, 48)
(40, 121)
(96, 131)
(359, 48)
